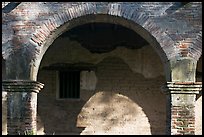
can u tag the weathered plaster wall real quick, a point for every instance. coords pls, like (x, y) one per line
(28, 19)
(138, 60)
(127, 93)
(198, 108)
(121, 83)
(4, 114)
(198, 116)
(4, 108)
(175, 26)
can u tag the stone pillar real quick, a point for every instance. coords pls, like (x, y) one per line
(21, 106)
(181, 98)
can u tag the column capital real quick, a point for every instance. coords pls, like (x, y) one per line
(182, 87)
(22, 86)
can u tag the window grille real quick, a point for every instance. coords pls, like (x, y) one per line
(69, 84)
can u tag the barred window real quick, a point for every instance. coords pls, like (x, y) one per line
(69, 84)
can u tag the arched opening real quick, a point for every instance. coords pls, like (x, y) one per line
(4, 102)
(99, 18)
(199, 70)
(76, 12)
(120, 80)
(198, 106)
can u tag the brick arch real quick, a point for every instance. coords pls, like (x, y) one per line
(115, 13)
(196, 47)
(139, 18)
(100, 18)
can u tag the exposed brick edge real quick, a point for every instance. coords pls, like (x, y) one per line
(196, 47)
(129, 13)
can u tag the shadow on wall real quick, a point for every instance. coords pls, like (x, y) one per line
(121, 98)
(58, 117)
(126, 100)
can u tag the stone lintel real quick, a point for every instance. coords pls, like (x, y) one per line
(182, 87)
(22, 86)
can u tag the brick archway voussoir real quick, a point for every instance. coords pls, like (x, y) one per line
(148, 29)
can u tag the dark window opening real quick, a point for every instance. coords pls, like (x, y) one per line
(69, 84)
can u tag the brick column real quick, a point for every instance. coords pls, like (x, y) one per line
(181, 97)
(21, 105)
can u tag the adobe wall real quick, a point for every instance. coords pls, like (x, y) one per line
(26, 23)
(122, 80)
(127, 93)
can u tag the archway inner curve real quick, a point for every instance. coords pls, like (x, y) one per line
(99, 18)
(66, 53)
